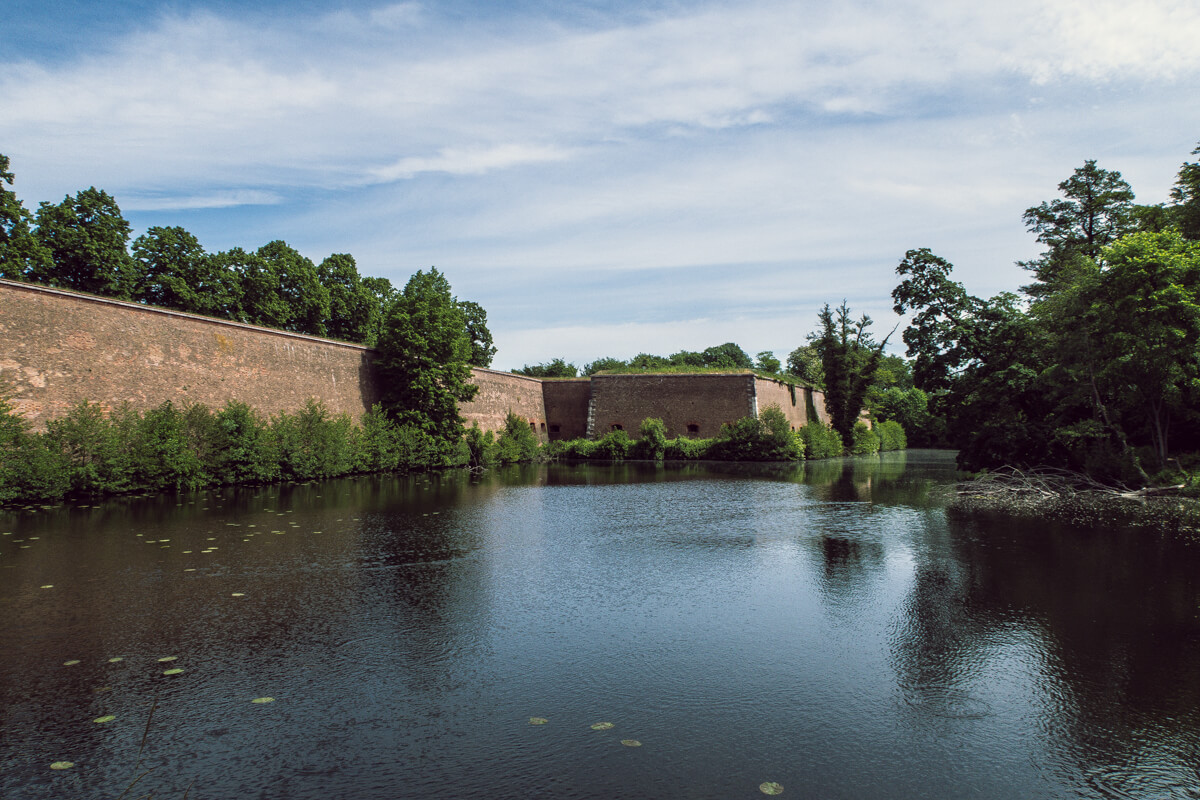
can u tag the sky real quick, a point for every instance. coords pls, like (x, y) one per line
(606, 177)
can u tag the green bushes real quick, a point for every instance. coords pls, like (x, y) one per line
(821, 441)
(891, 436)
(88, 453)
(767, 437)
(863, 440)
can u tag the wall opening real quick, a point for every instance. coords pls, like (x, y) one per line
(693, 427)
(554, 428)
(616, 426)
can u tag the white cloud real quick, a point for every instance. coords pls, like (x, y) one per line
(468, 161)
(246, 197)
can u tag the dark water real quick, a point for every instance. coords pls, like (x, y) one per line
(828, 627)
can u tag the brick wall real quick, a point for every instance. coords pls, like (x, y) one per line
(60, 348)
(567, 407)
(795, 404)
(704, 401)
(501, 392)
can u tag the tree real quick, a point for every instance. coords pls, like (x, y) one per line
(86, 237)
(423, 364)
(1186, 198)
(304, 301)
(353, 308)
(482, 348)
(604, 364)
(22, 256)
(849, 358)
(551, 369)
(172, 271)
(805, 363)
(1144, 316)
(767, 362)
(727, 355)
(1096, 209)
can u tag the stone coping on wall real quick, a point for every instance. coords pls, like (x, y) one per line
(170, 312)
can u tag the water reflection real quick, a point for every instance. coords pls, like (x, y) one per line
(826, 625)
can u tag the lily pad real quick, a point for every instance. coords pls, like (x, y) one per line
(631, 743)
(262, 700)
(602, 726)
(538, 720)
(238, 594)
(770, 787)
(48, 586)
(176, 671)
(105, 718)
(62, 765)
(116, 660)
(71, 663)
(165, 659)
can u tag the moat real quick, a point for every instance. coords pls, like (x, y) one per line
(826, 626)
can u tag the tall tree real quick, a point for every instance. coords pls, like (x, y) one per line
(1096, 208)
(727, 355)
(172, 269)
(22, 256)
(354, 309)
(424, 357)
(1186, 197)
(849, 358)
(767, 362)
(87, 238)
(557, 368)
(482, 348)
(805, 363)
(299, 288)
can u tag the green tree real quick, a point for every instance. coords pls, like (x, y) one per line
(604, 364)
(1095, 210)
(22, 256)
(482, 348)
(727, 355)
(424, 358)
(1186, 198)
(556, 368)
(849, 358)
(173, 269)
(353, 308)
(86, 237)
(1144, 316)
(805, 363)
(299, 289)
(767, 362)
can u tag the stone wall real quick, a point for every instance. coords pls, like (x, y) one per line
(501, 392)
(567, 407)
(59, 348)
(690, 405)
(796, 404)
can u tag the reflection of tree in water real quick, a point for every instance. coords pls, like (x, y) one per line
(1115, 615)
(848, 562)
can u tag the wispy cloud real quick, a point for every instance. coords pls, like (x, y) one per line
(752, 133)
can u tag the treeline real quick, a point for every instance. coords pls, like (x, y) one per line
(1095, 366)
(83, 243)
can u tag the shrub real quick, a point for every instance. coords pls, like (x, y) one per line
(163, 455)
(246, 449)
(96, 459)
(517, 443)
(821, 441)
(863, 440)
(891, 435)
(683, 449)
(767, 437)
(313, 444)
(613, 446)
(481, 447)
(652, 439)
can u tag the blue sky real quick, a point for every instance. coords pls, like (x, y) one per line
(606, 177)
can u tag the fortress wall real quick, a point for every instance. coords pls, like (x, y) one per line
(501, 392)
(795, 407)
(60, 348)
(705, 401)
(567, 407)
